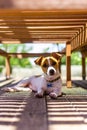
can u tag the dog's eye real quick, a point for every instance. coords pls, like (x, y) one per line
(53, 63)
(44, 65)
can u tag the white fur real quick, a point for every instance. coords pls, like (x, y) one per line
(49, 68)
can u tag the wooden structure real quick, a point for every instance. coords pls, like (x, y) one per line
(45, 21)
(23, 111)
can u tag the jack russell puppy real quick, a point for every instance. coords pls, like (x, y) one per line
(50, 82)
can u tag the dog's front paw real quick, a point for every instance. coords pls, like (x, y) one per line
(53, 95)
(39, 95)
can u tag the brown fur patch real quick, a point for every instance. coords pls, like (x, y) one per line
(50, 61)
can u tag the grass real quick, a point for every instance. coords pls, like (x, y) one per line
(74, 90)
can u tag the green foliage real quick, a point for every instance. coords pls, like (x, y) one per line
(75, 59)
(63, 60)
(13, 48)
(2, 60)
(86, 61)
(20, 62)
(1, 69)
(2, 63)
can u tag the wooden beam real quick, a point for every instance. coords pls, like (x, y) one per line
(38, 40)
(3, 53)
(37, 13)
(21, 23)
(36, 24)
(68, 64)
(37, 37)
(8, 67)
(27, 55)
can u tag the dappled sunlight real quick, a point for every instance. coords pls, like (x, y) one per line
(68, 112)
(12, 106)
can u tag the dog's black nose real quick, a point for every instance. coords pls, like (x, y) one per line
(51, 72)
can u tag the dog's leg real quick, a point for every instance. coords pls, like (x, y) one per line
(40, 92)
(23, 85)
(55, 93)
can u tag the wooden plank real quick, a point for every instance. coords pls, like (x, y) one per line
(36, 24)
(34, 116)
(27, 108)
(62, 21)
(11, 108)
(7, 35)
(67, 111)
(30, 16)
(80, 83)
(41, 31)
(26, 55)
(53, 33)
(76, 13)
(3, 53)
(45, 21)
(85, 82)
(5, 82)
(48, 28)
(9, 82)
(18, 36)
(22, 111)
(17, 41)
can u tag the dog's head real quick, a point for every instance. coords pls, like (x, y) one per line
(50, 64)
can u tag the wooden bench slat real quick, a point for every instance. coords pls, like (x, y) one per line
(24, 111)
(80, 83)
(35, 115)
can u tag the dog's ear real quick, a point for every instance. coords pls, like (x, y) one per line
(56, 55)
(38, 60)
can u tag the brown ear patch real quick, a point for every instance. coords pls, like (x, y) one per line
(56, 55)
(39, 60)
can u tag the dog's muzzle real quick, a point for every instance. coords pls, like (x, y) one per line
(51, 71)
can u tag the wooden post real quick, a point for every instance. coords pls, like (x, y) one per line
(83, 67)
(68, 64)
(8, 68)
(60, 66)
